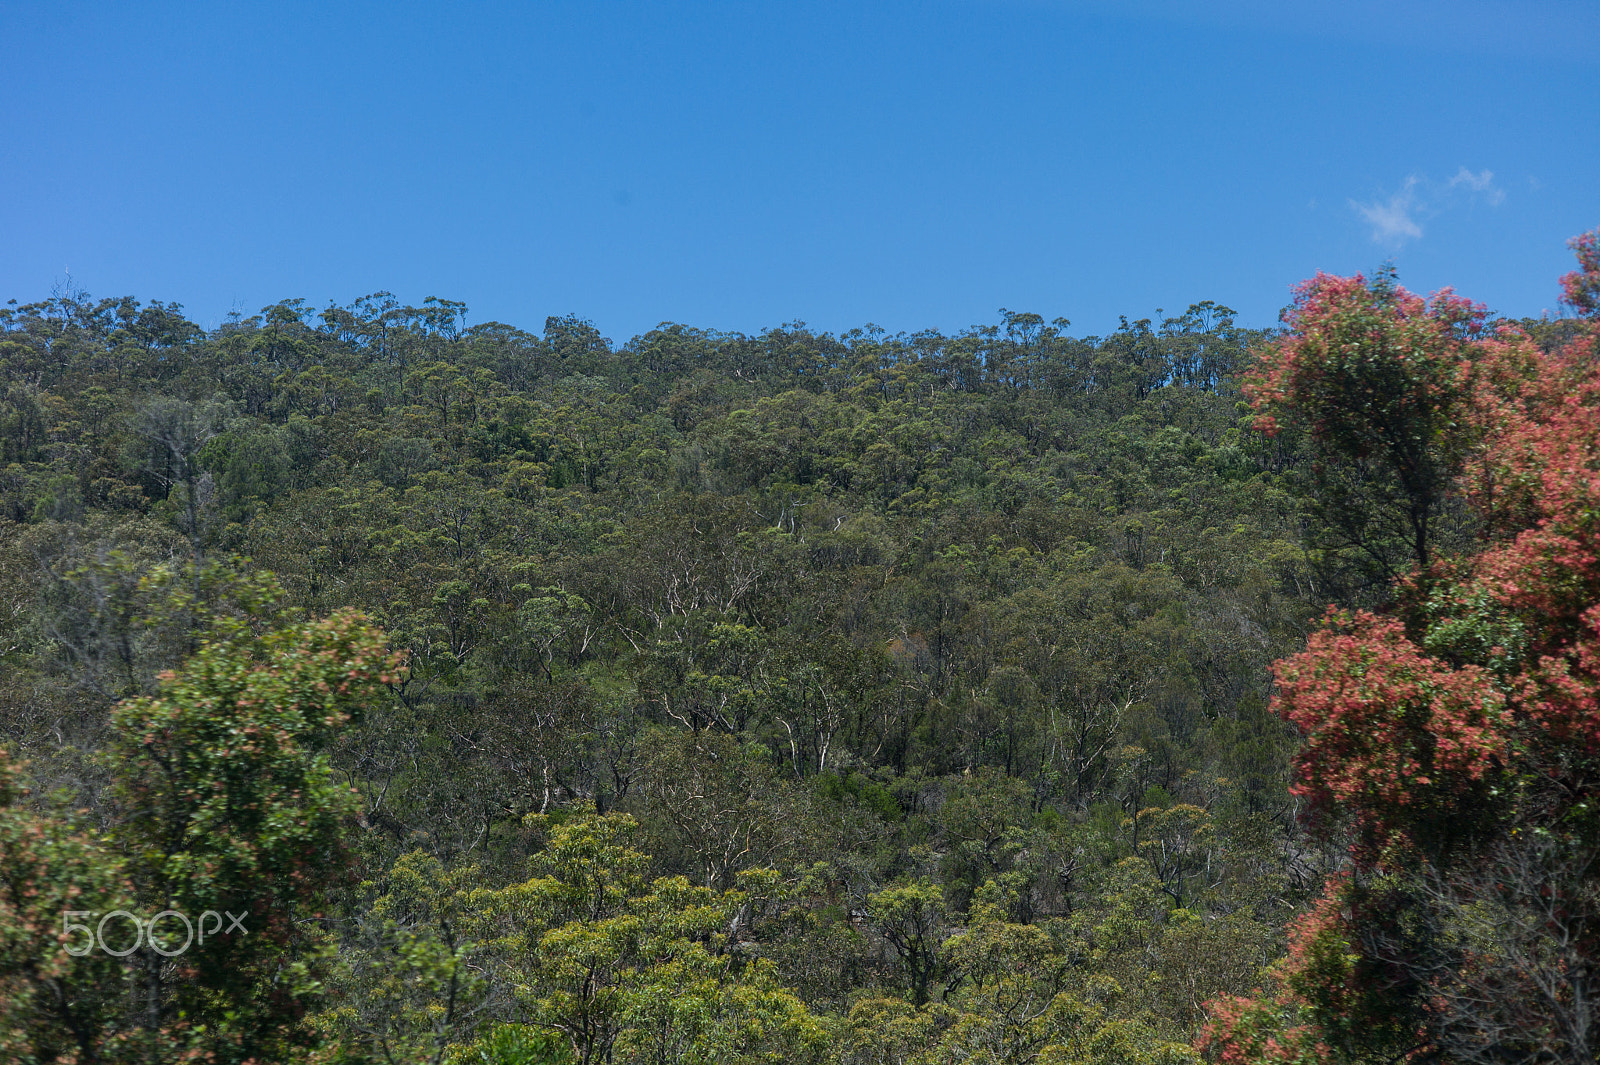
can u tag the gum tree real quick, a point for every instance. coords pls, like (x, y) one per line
(224, 804)
(1379, 378)
(1455, 739)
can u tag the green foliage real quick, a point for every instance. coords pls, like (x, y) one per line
(55, 1003)
(877, 657)
(516, 1044)
(405, 986)
(642, 971)
(223, 802)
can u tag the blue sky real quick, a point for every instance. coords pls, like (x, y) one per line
(736, 166)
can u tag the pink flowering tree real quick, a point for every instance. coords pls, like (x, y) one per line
(1377, 378)
(1580, 289)
(1455, 738)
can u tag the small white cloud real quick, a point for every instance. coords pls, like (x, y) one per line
(1393, 221)
(1399, 218)
(1482, 181)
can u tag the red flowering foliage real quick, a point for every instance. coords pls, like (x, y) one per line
(1328, 1005)
(1493, 658)
(1248, 1030)
(1367, 366)
(1392, 734)
(1581, 288)
(1473, 713)
(1379, 377)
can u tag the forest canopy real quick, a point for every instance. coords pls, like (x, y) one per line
(794, 697)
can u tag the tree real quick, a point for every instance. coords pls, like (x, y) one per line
(636, 970)
(224, 803)
(175, 432)
(1379, 378)
(408, 982)
(719, 805)
(516, 1044)
(1581, 288)
(913, 919)
(227, 803)
(1455, 737)
(1061, 991)
(56, 1000)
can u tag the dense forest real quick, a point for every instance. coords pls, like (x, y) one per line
(862, 699)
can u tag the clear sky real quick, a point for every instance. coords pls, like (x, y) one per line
(741, 165)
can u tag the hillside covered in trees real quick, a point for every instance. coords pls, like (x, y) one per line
(718, 698)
